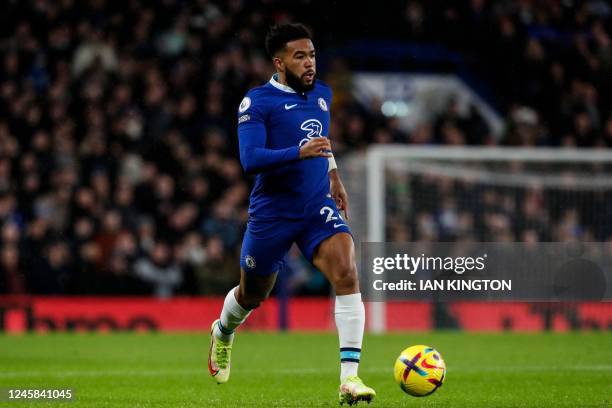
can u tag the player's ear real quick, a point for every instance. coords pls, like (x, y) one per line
(278, 64)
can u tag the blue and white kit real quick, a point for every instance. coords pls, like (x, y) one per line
(291, 199)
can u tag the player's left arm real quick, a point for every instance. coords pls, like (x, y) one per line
(338, 192)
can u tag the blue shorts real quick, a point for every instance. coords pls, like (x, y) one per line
(266, 242)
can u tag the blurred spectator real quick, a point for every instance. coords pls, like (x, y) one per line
(217, 272)
(118, 167)
(12, 278)
(159, 270)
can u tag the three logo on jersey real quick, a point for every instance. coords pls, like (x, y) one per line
(313, 128)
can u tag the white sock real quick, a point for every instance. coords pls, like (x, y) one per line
(350, 321)
(232, 316)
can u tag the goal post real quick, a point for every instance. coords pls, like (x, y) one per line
(564, 178)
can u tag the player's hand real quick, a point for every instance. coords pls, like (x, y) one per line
(339, 194)
(316, 147)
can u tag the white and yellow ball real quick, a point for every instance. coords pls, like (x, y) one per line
(420, 370)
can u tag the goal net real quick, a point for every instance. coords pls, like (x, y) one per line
(443, 194)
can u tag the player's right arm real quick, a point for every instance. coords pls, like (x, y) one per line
(255, 157)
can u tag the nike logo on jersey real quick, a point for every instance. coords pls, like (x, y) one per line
(338, 225)
(287, 107)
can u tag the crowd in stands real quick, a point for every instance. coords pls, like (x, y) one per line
(440, 208)
(118, 160)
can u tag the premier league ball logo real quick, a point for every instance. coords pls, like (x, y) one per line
(244, 105)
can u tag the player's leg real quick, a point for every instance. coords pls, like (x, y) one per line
(335, 258)
(238, 305)
(260, 260)
(254, 289)
(241, 300)
(328, 244)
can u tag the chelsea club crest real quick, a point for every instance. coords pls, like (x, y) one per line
(322, 104)
(249, 261)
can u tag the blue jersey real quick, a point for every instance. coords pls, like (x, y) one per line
(273, 122)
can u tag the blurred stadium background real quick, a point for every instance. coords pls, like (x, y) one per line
(122, 200)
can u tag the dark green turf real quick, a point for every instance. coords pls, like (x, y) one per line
(301, 370)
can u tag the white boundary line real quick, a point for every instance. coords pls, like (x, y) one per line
(284, 371)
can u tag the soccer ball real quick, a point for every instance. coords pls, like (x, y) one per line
(419, 370)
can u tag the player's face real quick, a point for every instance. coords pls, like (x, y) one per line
(299, 63)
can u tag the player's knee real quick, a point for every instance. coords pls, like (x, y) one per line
(345, 276)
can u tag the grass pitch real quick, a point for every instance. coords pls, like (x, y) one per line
(301, 370)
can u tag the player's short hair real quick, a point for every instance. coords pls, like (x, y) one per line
(280, 34)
